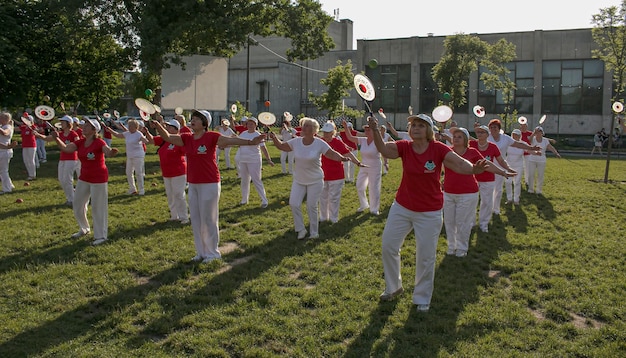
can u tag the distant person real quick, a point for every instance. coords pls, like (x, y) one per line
(349, 169)
(6, 151)
(29, 147)
(225, 130)
(537, 161)
(135, 156)
(597, 143)
(515, 158)
(287, 133)
(250, 163)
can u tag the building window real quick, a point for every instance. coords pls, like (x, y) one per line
(393, 87)
(572, 87)
(522, 73)
(430, 96)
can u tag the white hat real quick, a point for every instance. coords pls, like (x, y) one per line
(202, 113)
(67, 118)
(94, 123)
(462, 130)
(76, 120)
(539, 128)
(225, 122)
(349, 124)
(516, 131)
(423, 117)
(173, 123)
(328, 127)
(256, 121)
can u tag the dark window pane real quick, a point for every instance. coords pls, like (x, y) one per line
(525, 69)
(551, 69)
(525, 87)
(592, 87)
(594, 68)
(551, 87)
(550, 104)
(572, 78)
(571, 95)
(524, 104)
(572, 64)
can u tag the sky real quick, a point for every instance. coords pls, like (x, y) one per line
(384, 19)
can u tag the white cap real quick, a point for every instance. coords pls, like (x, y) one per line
(173, 123)
(67, 118)
(328, 127)
(256, 121)
(516, 131)
(94, 123)
(225, 122)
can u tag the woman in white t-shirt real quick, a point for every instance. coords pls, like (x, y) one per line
(308, 176)
(249, 162)
(135, 155)
(537, 160)
(226, 131)
(370, 176)
(286, 158)
(6, 151)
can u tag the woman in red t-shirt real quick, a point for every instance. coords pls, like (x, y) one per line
(93, 180)
(460, 196)
(174, 170)
(67, 161)
(204, 179)
(29, 147)
(333, 174)
(418, 204)
(486, 180)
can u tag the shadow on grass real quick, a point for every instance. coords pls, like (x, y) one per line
(457, 284)
(86, 320)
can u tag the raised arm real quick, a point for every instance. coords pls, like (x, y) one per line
(387, 150)
(280, 144)
(224, 141)
(170, 138)
(113, 132)
(462, 166)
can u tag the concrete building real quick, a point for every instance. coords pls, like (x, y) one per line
(554, 72)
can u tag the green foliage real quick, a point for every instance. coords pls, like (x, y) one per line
(339, 82)
(463, 55)
(609, 33)
(545, 281)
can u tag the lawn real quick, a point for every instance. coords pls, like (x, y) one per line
(547, 280)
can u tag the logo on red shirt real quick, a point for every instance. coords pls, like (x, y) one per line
(202, 149)
(430, 166)
(91, 156)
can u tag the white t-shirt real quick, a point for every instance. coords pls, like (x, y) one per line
(134, 145)
(250, 153)
(503, 142)
(228, 132)
(308, 160)
(514, 154)
(6, 140)
(543, 145)
(369, 154)
(288, 134)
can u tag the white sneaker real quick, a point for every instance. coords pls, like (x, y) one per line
(314, 236)
(184, 221)
(98, 241)
(301, 234)
(81, 233)
(208, 259)
(197, 258)
(423, 308)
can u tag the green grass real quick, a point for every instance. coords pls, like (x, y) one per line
(547, 280)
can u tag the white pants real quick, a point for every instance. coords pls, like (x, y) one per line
(108, 141)
(459, 214)
(29, 156)
(204, 209)
(486, 190)
(7, 184)
(526, 169)
(286, 162)
(176, 199)
(66, 177)
(497, 193)
(99, 195)
(514, 185)
(426, 226)
(539, 168)
(313, 193)
(226, 155)
(41, 149)
(349, 167)
(135, 168)
(369, 178)
(330, 200)
(251, 171)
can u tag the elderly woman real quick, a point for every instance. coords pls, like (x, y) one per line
(249, 162)
(225, 130)
(286, 158)
(537, 160)
(418, 204)
(67, 161)
(203, 177)
(92, 186)
(6, 151)
(370, 176)
(460, 196)
(308, 176)
(174, 171)
(333, 174)
(515, 158)
(29, 147)
(135, 155)
(487, 180)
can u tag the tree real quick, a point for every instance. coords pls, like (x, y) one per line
(463, 55)
(609, 33)
(339, 82)
(161, 32)
(497, 76)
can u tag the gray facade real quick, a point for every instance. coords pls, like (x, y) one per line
(286, 84)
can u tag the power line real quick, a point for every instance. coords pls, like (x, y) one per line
(285, 59)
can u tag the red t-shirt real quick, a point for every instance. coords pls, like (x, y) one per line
(28, 138)
(420, 189)
(455, 183)
(348, 142)
(333, 170)
(79, 131)
(185, 129)
(240, 129)
(526, 138)
(201, 167)
(92, 167)
(67, 139)
(107, 134)
(491, 153)
(171, 158)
